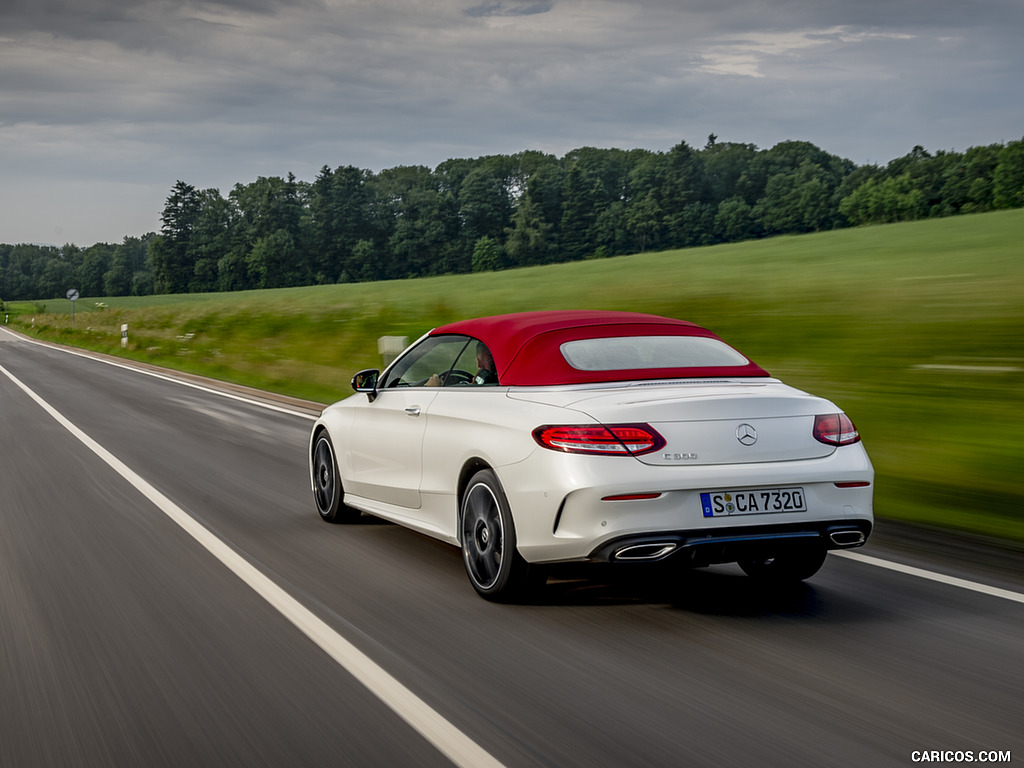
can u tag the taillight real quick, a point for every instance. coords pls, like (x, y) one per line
(835, 429)
(600, 440)
(632, 497)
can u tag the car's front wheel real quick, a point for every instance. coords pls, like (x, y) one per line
(327, 489)
(789, 565)
(495, 568)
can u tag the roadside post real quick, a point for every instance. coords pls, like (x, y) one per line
(124, 335)
(389, 347)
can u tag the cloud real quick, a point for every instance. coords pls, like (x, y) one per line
(140, 94)
(508, 9)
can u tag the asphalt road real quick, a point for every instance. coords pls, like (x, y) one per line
(168, 596)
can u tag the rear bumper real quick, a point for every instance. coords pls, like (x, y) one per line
(707, 547)
(572, 508)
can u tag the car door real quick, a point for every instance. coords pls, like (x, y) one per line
(386, 446)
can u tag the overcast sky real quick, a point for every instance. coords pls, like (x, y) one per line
(105, 104)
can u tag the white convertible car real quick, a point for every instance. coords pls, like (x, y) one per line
(551, 437)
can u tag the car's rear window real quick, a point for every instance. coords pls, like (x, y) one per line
(648, 352)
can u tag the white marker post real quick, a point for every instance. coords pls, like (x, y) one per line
(124, 335)
(389, 347)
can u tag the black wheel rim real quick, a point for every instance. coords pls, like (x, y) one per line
(483, 540)
(324, 479)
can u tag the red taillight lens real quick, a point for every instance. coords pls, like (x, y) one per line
(835, 429)
(632, 497)
(600, 440)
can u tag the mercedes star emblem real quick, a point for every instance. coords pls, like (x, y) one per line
(746, 434)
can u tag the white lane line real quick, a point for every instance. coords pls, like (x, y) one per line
(165, 377)
(448, 739)
(953, 581)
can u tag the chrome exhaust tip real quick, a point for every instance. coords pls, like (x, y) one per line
(643, 552)
(847, 538)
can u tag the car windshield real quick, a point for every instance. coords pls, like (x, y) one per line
(443, 361)
(433, 356)
(649, 352)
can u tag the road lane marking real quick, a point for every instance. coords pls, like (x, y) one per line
(166, 377)
(952, 581)
(430, 724)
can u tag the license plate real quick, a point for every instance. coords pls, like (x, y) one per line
(756, 502)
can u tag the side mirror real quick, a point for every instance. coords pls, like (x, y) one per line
(366, 381)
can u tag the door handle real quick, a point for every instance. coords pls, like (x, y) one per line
(413, 410)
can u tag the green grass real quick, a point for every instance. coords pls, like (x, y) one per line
(916, 330)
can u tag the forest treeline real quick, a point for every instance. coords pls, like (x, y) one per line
(502, 211)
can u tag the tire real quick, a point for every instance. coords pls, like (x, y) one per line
(790, 565)
(327, 488)
(488, 535)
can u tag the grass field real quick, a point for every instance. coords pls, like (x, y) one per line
(916, 330)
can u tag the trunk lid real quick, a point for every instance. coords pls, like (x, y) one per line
(721, 422)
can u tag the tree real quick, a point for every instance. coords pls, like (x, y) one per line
(724, 165)
(525, 169)
(545, 187)
(19, 280)
(210, 239)
(787, 157)
(232, 273)
(735, 220)
(582, 202)
(980, 165)
(117, 281)
(644, 220)
(420, 223)
(611, 230)
(365, 258)
(486, 255)
(143, 281)
(172, 255)
(1008, 179)
(883, 200)
(596, 188)
(535, 208)
(797, 200)
(485, 206)
(272, 262)
(683, 186)
(528, 239)
(57, 277)
(128, 262)
(95, 264)
(341, 215)
(268, 212)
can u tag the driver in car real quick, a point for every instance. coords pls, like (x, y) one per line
(485, 364)
(484, 375)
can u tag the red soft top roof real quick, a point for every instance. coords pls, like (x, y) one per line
(526, 345)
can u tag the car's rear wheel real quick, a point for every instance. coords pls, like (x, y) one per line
(327, 488)
(495, 568)
(795, 564)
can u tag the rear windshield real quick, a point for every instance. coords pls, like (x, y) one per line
(640, 352)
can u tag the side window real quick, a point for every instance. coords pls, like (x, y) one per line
(434, 356)
(475, 367)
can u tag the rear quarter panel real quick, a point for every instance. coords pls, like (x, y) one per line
(479, 426)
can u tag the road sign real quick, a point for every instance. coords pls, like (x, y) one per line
(73, 297)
